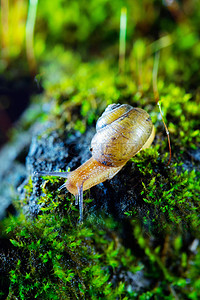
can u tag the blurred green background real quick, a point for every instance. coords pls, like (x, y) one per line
(44, 42)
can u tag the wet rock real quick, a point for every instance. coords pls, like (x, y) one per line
(137, 282)
(195, 154)
(12, 172)
(50, 152)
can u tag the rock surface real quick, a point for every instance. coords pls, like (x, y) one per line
(12, 171)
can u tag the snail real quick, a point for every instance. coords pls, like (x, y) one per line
(121, 132)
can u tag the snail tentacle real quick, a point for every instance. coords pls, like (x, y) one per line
(76, 199)
(80, 195)
(63, 186)
(56, 174)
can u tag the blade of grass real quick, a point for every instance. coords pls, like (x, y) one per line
(156, 96)
(122, 39)
(5, 28)
(30, 25)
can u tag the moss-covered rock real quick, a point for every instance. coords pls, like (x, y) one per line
(140, 236)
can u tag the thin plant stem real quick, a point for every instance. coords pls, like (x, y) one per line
(5, 28)
(156, 96)
(30, 25)
(139, 73)
(122, 39)
(155, 76)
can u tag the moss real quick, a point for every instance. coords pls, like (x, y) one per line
(171, 194)
(56, 258)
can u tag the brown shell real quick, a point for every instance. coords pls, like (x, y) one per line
(122, 131)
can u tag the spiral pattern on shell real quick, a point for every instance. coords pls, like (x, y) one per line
(122, 131)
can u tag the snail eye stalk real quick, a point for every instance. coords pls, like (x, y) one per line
(80, 197)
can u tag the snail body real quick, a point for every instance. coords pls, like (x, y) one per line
(121, 132)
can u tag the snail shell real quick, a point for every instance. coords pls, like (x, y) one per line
(122, 131)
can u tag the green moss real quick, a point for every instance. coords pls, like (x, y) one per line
(57, 258)
(171, 194)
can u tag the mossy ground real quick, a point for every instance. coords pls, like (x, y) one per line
(51, 256)
(56, 258)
